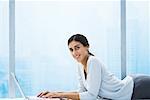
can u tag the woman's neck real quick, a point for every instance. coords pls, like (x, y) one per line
(84, 63)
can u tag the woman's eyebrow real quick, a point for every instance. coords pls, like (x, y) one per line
(77, 45)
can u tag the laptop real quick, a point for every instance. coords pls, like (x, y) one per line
(30, 97)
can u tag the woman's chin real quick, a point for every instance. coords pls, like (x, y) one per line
(78, 60)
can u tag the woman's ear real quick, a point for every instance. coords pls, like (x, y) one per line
(88, 47)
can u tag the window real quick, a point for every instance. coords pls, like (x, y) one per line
(4, 50)
(43, 61)
(138, 37)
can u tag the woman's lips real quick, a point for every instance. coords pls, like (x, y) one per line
(77, 57)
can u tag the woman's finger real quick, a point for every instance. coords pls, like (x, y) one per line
(39, 94)
(42, 94)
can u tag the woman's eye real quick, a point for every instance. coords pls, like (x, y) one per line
(77, 48)
(71, 49)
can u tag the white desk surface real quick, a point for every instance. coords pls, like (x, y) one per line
(29, 99)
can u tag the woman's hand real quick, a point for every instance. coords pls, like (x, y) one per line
(52, 95)
(62, 95)
(47, 94)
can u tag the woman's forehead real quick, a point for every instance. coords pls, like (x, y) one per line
(74, 43)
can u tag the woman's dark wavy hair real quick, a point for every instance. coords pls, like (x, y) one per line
(80, 38)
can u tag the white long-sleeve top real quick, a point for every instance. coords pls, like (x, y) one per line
(101, 83)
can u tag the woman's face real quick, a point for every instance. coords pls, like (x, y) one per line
(78, 51)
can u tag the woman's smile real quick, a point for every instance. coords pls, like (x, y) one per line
(78, 51)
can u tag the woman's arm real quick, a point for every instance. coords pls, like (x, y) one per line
(93, 81)
(69, 95)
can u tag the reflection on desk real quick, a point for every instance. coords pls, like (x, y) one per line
(31, 99)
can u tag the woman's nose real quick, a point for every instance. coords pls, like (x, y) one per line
(74, 53)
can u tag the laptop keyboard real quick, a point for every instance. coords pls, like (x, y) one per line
(37, 98)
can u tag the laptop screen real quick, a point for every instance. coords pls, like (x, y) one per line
(18, 85)
(32, 97)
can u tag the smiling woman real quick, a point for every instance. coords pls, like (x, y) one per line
(79, 49)
(96, 81)
(41, 27)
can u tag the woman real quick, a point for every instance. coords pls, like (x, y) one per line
(95, 81)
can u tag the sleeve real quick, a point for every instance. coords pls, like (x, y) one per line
(81, 87)
(93, 81)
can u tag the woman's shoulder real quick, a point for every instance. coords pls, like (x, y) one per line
(95, 64)
(95, 60)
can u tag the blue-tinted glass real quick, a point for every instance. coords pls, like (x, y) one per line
(138, 37)
(43, 60)
(4, 48)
